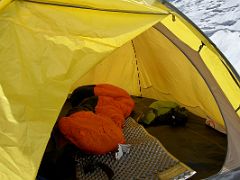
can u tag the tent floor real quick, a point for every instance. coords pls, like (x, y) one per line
(197, 145)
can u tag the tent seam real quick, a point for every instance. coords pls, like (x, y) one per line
(96, 9)
(138, 72)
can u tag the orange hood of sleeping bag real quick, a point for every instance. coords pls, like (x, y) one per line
(99, 129)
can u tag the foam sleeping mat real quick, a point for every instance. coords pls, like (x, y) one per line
(147, 159)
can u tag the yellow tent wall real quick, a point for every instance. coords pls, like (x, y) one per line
(43, 50)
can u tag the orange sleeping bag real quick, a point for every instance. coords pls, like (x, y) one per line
(97, 129)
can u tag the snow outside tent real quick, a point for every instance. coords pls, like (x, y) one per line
(48, 48)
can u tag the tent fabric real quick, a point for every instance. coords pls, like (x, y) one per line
(209, 55)
(44, 50)
(49, 47)
(4, 3)
(129, 6)
(189, 33)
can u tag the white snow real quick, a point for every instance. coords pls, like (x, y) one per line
(219, 20)
(231, 48)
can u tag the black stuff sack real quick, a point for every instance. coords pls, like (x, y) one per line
(165, 113)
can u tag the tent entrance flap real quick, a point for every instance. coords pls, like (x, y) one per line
(41, 56)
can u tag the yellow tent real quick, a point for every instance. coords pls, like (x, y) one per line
(48, 48)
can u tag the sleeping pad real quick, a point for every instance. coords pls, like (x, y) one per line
(95, 122)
